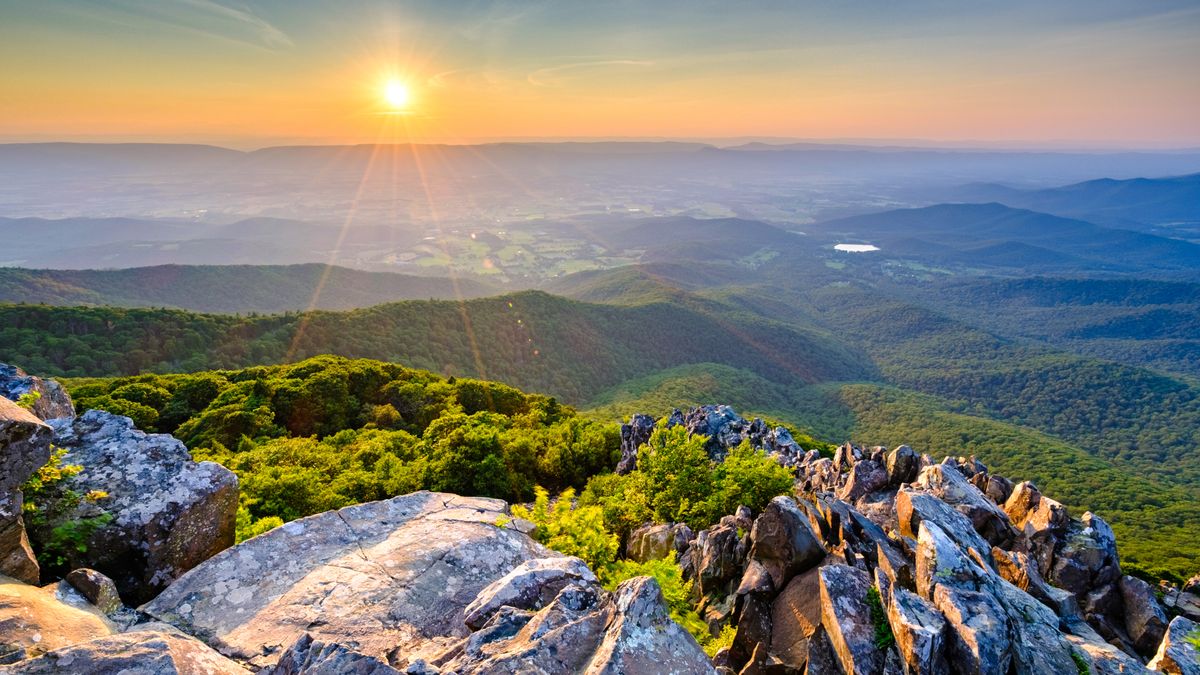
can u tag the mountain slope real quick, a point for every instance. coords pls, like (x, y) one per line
(228, 288)
(1128, 202)
(963, 228)
(533, 340)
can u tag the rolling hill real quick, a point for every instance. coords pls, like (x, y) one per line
(228, 288)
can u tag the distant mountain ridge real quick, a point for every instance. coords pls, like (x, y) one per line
(955, 231)
(230, 288)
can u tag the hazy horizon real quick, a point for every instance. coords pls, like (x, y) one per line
(1024, 75)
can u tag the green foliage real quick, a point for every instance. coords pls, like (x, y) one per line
(68, 539)
(1081, 663)
(1193, 638)
(28, 399)
(883, 630)
(247, 527)
(573, 531)
(676, 482)
(722, 641)
(329, 432)
(48, 497)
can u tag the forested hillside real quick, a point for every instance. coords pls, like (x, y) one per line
(230, 289)
(539, 342)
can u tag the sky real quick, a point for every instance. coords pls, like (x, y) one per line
(1094, 73)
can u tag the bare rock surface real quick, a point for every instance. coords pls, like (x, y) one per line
(138, 652)
(24, 448)
(53, 401)
(389, 576)
(1177, 654)
(35, 620)
(168, 513)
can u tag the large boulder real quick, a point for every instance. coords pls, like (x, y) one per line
(1145, 621)
(865, 477)
(584, 630)
(948, 484)
(1178, 654)
(52, 402)
(920, 631)
(35, 620)
(847, 619)
(154, 650)
(1086, 560)
(166, 513)
(531, 585)
(657, 541)
(393, 577)
(782, 541)
(978, 630)
(796, 617)
(24, 448)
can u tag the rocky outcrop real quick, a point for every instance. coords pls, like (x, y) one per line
(394, 576)
(657, 541)
(165, 513)
(35, 620)
(24, 448)
(847, 619)
(634, 435)
(1178, 653)
(152, 650)
(52, 402)
(531, 585)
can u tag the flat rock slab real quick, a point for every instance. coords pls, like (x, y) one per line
(391, 577)
(139, 652)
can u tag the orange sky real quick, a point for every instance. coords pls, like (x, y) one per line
(302, 71)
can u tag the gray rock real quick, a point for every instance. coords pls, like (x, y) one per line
(312, 657)
(865, 477)
(782, 541)
(920, 631)
(719, 556)
(821, 659)
(642, 638)
(977, 628)
(1034, 639)
(913, 508)
(949, 485)
(97, 588)
(53, 401)
(634, 435)
(1104, 658)
(169, 513)
(1021, 570)
(531, 585)
(940, 562)
(1145, 621)
(657, 541)
(24, 448)
(1177, 654)
(133, 653)
(847, 619)
(390, 575)
(1086, 560)
(903, 463)
(796, 617)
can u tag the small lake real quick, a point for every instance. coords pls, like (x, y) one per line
(856, 248)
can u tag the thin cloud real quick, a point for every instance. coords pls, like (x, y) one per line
(558, 75)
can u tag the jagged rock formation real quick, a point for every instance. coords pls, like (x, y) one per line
(724, 429)
(24, 448)
(53, 401)
(168, 513)
(973, 574)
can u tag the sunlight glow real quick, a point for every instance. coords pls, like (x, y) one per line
(396, 94)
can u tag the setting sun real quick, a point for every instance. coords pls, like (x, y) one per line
(396, 94)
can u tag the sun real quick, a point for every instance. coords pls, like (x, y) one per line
(396, 94)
